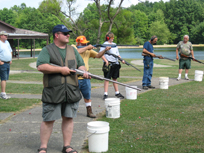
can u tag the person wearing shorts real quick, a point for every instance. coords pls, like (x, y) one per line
(56, 103)
(113, 69)
(87, 52)
(5, 61)
(184, 47)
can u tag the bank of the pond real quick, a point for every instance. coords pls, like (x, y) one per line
(136, 46)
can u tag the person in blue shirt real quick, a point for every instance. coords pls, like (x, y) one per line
(148, 62)
(5, 61)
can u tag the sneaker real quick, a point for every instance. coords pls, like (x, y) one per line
(119, 96)
(150, 86)
(186, 78)
(145, 87)
(105, 96)
(179, 78)
(4, 96)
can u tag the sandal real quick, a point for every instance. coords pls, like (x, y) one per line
(66, 147)
(45, 149)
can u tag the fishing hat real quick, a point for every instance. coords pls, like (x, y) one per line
(4, 33)
(81, 39)
(60, 28)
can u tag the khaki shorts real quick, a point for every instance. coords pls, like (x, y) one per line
(52, 112)
(184, 63)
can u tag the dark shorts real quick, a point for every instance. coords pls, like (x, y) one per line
(4, 71)
(184, 63)
(114, 72)
(52, 112)
(85, 88)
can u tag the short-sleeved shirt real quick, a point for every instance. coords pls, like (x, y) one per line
(5, 51)
(185, 48)
(44, 57)
(85, 56)
(113, 50)
(149, 47)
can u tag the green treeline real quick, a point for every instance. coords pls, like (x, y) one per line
(169, 21)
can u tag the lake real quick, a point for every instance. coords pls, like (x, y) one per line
(135, 53)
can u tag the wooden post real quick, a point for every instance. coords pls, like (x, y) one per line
(18, 48)
(34, 49)
(31, 54)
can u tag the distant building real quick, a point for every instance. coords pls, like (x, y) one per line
(16, 33)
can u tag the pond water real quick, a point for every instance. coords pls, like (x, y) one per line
(135, 53)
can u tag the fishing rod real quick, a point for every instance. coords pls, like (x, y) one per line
(182, 55)
(80, 72)
(116, 56)
(161, 57)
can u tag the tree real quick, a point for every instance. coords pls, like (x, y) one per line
(161, 31)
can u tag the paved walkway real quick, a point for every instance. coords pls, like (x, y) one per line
(21, 132)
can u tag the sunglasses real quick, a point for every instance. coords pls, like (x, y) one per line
(64, 33)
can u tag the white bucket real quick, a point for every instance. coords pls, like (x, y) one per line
(98, 136)
(198, 75)
(112, 107)
(164, 82)
(131, 93)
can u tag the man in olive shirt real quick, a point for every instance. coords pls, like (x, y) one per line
(65, 110)
(184, 47)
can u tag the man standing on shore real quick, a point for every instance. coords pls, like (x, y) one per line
(148, 63)
(60, 95)
(5, 61)
(185, 47)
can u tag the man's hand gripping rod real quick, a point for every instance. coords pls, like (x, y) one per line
(100, 78)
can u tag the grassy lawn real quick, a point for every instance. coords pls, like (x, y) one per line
(23, 64)
(19, 104)
(26, 77)
(19, 88)
(160, 121)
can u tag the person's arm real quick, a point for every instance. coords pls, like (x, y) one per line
(105, 60)
(49, 69)
(100, 54)
(81, 50)
(192, 53)
(147, 52)
(177, 57)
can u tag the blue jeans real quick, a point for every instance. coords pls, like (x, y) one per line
(85, 88)
(148, 70)
(4, 71)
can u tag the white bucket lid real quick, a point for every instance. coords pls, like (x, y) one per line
(112, 100)
(127, 88)
(98, 127)
(198, 71)
(163, 78)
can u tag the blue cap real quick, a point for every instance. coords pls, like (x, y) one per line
(60, 28)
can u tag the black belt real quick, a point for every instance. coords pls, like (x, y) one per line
(6, 62)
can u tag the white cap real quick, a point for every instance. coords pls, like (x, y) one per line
(4, 33)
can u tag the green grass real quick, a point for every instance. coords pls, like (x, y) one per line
(23, 64)
(16, 104)
(26, 77)
(18, 88)
(160, 121)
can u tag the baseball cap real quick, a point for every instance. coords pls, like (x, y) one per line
(60, 28)
(4, 33)
(81, 39)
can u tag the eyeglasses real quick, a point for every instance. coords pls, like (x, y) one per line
(64, 33)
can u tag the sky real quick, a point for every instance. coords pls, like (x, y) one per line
(81, 4)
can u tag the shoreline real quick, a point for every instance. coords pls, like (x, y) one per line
(140, 46)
